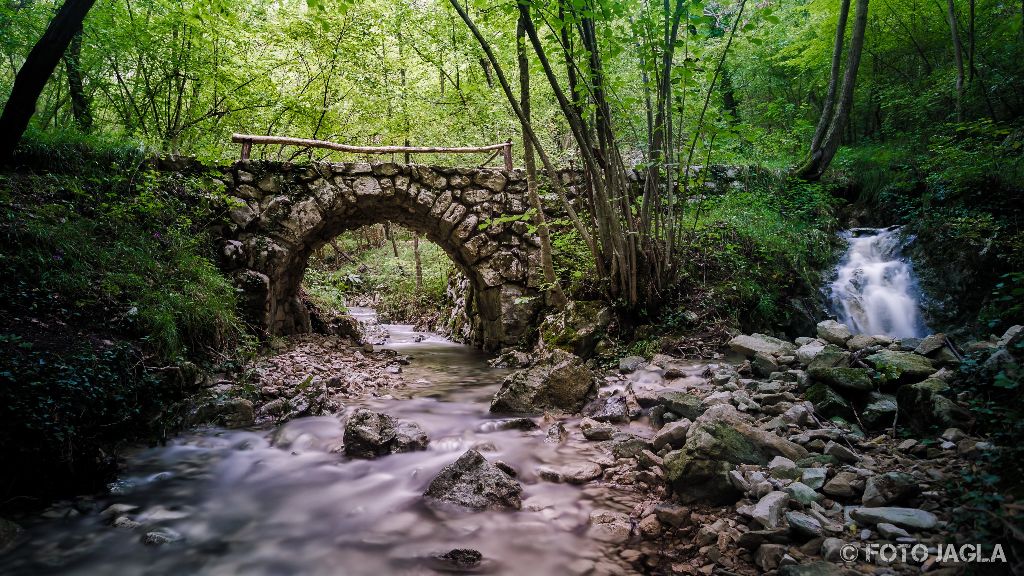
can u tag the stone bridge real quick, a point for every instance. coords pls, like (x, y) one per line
(280, 213)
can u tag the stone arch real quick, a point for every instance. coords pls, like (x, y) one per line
(280, 213)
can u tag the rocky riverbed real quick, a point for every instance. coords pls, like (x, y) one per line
(417, 457)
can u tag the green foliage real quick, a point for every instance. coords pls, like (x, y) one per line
(376, 277)
(120, 248)
(751, 251)
(993, 387)
(59, 410)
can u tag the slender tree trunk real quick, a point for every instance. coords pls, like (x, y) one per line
(828, 108)
(958, 57)
(79, 101)
(37, 69)
(970, 43)
(419, 262)
(555, 295)
(821, 156)
(390, 235)
(528, 127)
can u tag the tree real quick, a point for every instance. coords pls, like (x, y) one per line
(958, 57)
(37, 69)
(824, 150)
(555, 295)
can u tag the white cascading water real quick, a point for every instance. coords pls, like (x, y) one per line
(874, 291)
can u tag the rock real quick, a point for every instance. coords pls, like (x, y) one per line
(754, 343)
(806, 353)
(558, 381)
(1013, 335)
(953, 434)
(804, 524)
(768, 556)
(594, 430)
(802, 493)
(782, 467)
(903, 517)
(764, 364)
(231, 413)
(880, 411)
(409, 437)
(844, 485)
(718, 440)
(901, 367)
(578, 327)
(126, 523)
(475, 483)
(888, 488)
(930, 344)
(461, 559)
(840, 452)
(579, 473)
(830, 357)
(828, 402)
(672, 434)
(849, 379)
(9, 534)
(682, 404)
(626, 445)
(160, 536)
(834, 332)
(370, 434)
(923, 405)
(610, 527)
(891, 531)
(814, 477)
(768, 510)
(631, 364)
(861, 341)
(649, 526)
(672, 514)
(831, 549)
(608, 409)
(508, 424)
(556, 434)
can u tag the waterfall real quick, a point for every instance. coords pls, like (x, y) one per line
(875, 291)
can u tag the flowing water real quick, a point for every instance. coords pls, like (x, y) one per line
(280, 502)
(875, 291)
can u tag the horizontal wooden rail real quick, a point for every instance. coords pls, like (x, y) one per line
(247, 140)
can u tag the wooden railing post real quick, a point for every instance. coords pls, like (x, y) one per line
(507, 153)
(246, 149)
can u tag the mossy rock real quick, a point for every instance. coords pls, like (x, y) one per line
(578, 328)
(681, 404)
(828, 402)
(848, 379)
(924, 406)
(831, 356)
(902, 367)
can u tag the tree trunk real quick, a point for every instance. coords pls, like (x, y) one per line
(958, 57)
(419, 263)
(390, 235)
(828, 108)
(37, 69)
(555, 295)
(821, 156)
(528, 128)
(79, 101)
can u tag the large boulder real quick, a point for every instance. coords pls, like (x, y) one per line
(880, 411)
(751, 344)
(370, 434)
(902, 367)
(475, 483)
(717, 441)
(558, 381)
(682, 404)
(577, 328)
(848, 379)
(834, 332)
(828, 402)
(923, 405)
(829, 357)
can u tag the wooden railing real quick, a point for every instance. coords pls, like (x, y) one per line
(247, 140)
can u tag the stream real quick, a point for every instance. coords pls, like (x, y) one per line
(280, 501)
